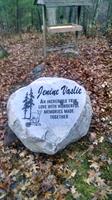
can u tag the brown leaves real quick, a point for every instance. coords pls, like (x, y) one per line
(95, 179)
(30, 176)
(74, 192)
(15, 70)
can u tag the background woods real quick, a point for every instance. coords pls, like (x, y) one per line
(22, 15)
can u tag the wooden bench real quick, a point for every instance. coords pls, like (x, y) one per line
(50, 4)
(64, 28)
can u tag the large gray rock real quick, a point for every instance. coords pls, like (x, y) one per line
(49, 114)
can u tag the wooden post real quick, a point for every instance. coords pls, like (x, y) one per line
(78, 18)
(79, 13)
(44, 30)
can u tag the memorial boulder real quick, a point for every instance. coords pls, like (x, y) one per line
(49, 114)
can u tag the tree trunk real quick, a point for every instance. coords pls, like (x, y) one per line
(84, 20)
(39, 24)
(78, 18)
(17, 16)
(109, 14)
(70, 14)
(96, 11)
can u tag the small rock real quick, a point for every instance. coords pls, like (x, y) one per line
(92, 137)
(103, 157)
(38, 70)
(109, 139)
(9, 137)
(67, 184)
(101, 139)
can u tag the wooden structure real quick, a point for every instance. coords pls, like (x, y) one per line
(51, 4)
(64, 28)
(58, 3)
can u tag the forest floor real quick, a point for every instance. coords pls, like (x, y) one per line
(84, 169)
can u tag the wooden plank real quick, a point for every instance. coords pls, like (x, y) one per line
(44, 30)
(64, 28)
(56, 3)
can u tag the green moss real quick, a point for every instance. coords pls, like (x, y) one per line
(81, 164)
(69, 196)
(110, 197)
(105, 148)
(84, 189)
(107, 172)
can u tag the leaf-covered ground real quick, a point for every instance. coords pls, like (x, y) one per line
(84, 169)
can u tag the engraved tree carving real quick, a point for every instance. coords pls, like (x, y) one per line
(26, 105)
(31, 104)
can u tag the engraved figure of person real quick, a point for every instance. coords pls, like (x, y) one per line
(35, 120)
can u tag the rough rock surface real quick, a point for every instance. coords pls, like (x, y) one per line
(49, 114)
(37, 71)
(9, 137)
